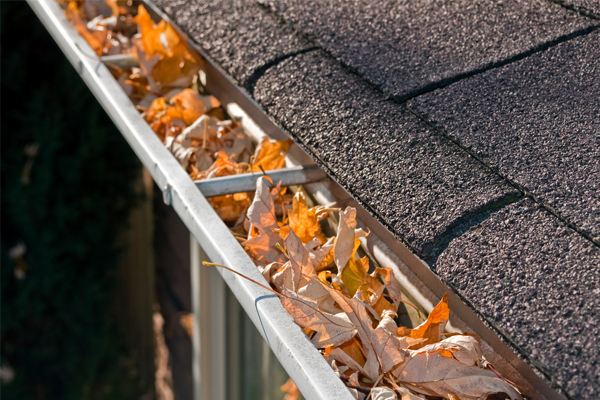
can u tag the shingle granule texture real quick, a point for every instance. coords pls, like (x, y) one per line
(536, 121)
(405, 46)
(417, 183)
(238, 34)
(538, 282)
(589, 5)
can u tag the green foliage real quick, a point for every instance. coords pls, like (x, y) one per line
(57, 330)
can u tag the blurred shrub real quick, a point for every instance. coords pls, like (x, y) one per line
(66, 192)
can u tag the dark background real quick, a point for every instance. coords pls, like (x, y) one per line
(66, 204)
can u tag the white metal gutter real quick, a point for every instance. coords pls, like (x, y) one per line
(313, 376)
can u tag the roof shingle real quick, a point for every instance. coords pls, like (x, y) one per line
(404, 47)
(238, 34)
(418, 184)
(537, 121)
(534, 279)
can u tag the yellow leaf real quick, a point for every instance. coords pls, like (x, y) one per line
(304, 221)
(354, 274)
(175, 65)
(187, 105)
(270, 154)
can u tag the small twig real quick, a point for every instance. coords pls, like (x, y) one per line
(262, 169)
(350, 385)
(362, 349)
(500, 376)
(412, 305)
(390, 379)
(209, 264)
(114, 66)
(316, 309)
(374, 385)
(283, 218)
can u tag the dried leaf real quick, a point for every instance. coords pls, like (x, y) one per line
(175, 65)
(314, 290)
(321, 255)
(300, 261)
(92, 40)
(428, 372)
(181, 153)
(230, 207)
(202, 133)
(350, 354)
(347, 234)
(188, 106)
(304, 221)
(222, 166)
(262, 212)
(385, 345)
(356, 394)
(261, 215)
(433, 328)
(383, 393)
(270, 154)
(406, 395)
(355, 274)
(331, 330)
(187, 321)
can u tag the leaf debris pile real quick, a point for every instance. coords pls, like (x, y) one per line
(166, 90)
(346, 308)
(106, 25)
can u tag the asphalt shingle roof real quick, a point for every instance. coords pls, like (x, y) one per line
(537, 281)
(516, 107)
(536, 121)
(358, 134)
(592, 6)
(406, 46)
(240, 35)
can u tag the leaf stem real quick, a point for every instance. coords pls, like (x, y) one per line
(374, 385)
(209, 264)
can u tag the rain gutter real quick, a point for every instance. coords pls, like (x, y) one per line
(301, 360)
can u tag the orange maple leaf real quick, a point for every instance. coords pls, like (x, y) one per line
(433, 328)
(270, 154)
(175, 64)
